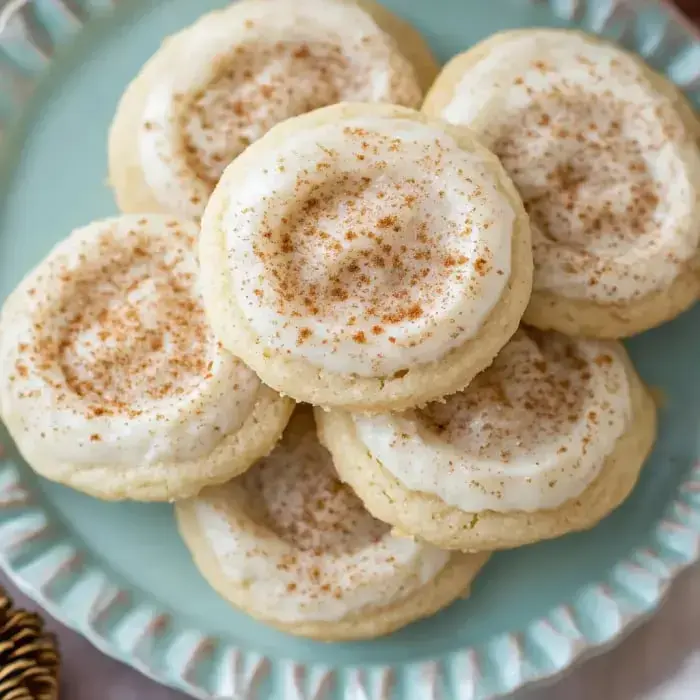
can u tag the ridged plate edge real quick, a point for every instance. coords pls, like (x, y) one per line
(49, 566)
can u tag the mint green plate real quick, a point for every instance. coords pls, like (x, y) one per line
(119, 574)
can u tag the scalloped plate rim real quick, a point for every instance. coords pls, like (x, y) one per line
(582, 647)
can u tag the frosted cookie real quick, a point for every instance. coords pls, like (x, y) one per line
(366, 257)
(546, 441)
(111, 380)
(220, 84)
(603, 151)
(292, 546)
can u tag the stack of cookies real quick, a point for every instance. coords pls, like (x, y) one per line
(295, 231)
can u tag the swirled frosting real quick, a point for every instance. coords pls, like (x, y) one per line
(240, 71)
(106, 356)
(301, 541)
(368, 245)
(529, 433)
(602, 159)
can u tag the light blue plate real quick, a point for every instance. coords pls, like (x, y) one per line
(119, 573)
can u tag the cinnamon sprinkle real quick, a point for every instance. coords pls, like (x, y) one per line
(297, 494)
(257, 86)
(113, 316)
(536, 387)
(588, 180)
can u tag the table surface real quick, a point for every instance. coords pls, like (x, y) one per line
(658, 661)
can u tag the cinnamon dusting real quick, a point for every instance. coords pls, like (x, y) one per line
(257, 86)
(297, 494)
(128, 328)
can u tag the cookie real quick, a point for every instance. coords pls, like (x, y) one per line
(111, 380)
(365, 257)
(221, 83)
(290, 545)
(548, 440)
(604, 153)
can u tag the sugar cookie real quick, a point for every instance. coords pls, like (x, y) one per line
(366, 257)
(290, 545)
(220, 84)
(604, 152)
(548, 440)
(110, 379)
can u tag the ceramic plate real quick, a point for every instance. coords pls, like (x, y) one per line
(120, 575)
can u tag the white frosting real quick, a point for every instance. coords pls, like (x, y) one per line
(240, 71)
(301, 542)
(601, 158)
(106, 357)
(531, 432)
(368, 245)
